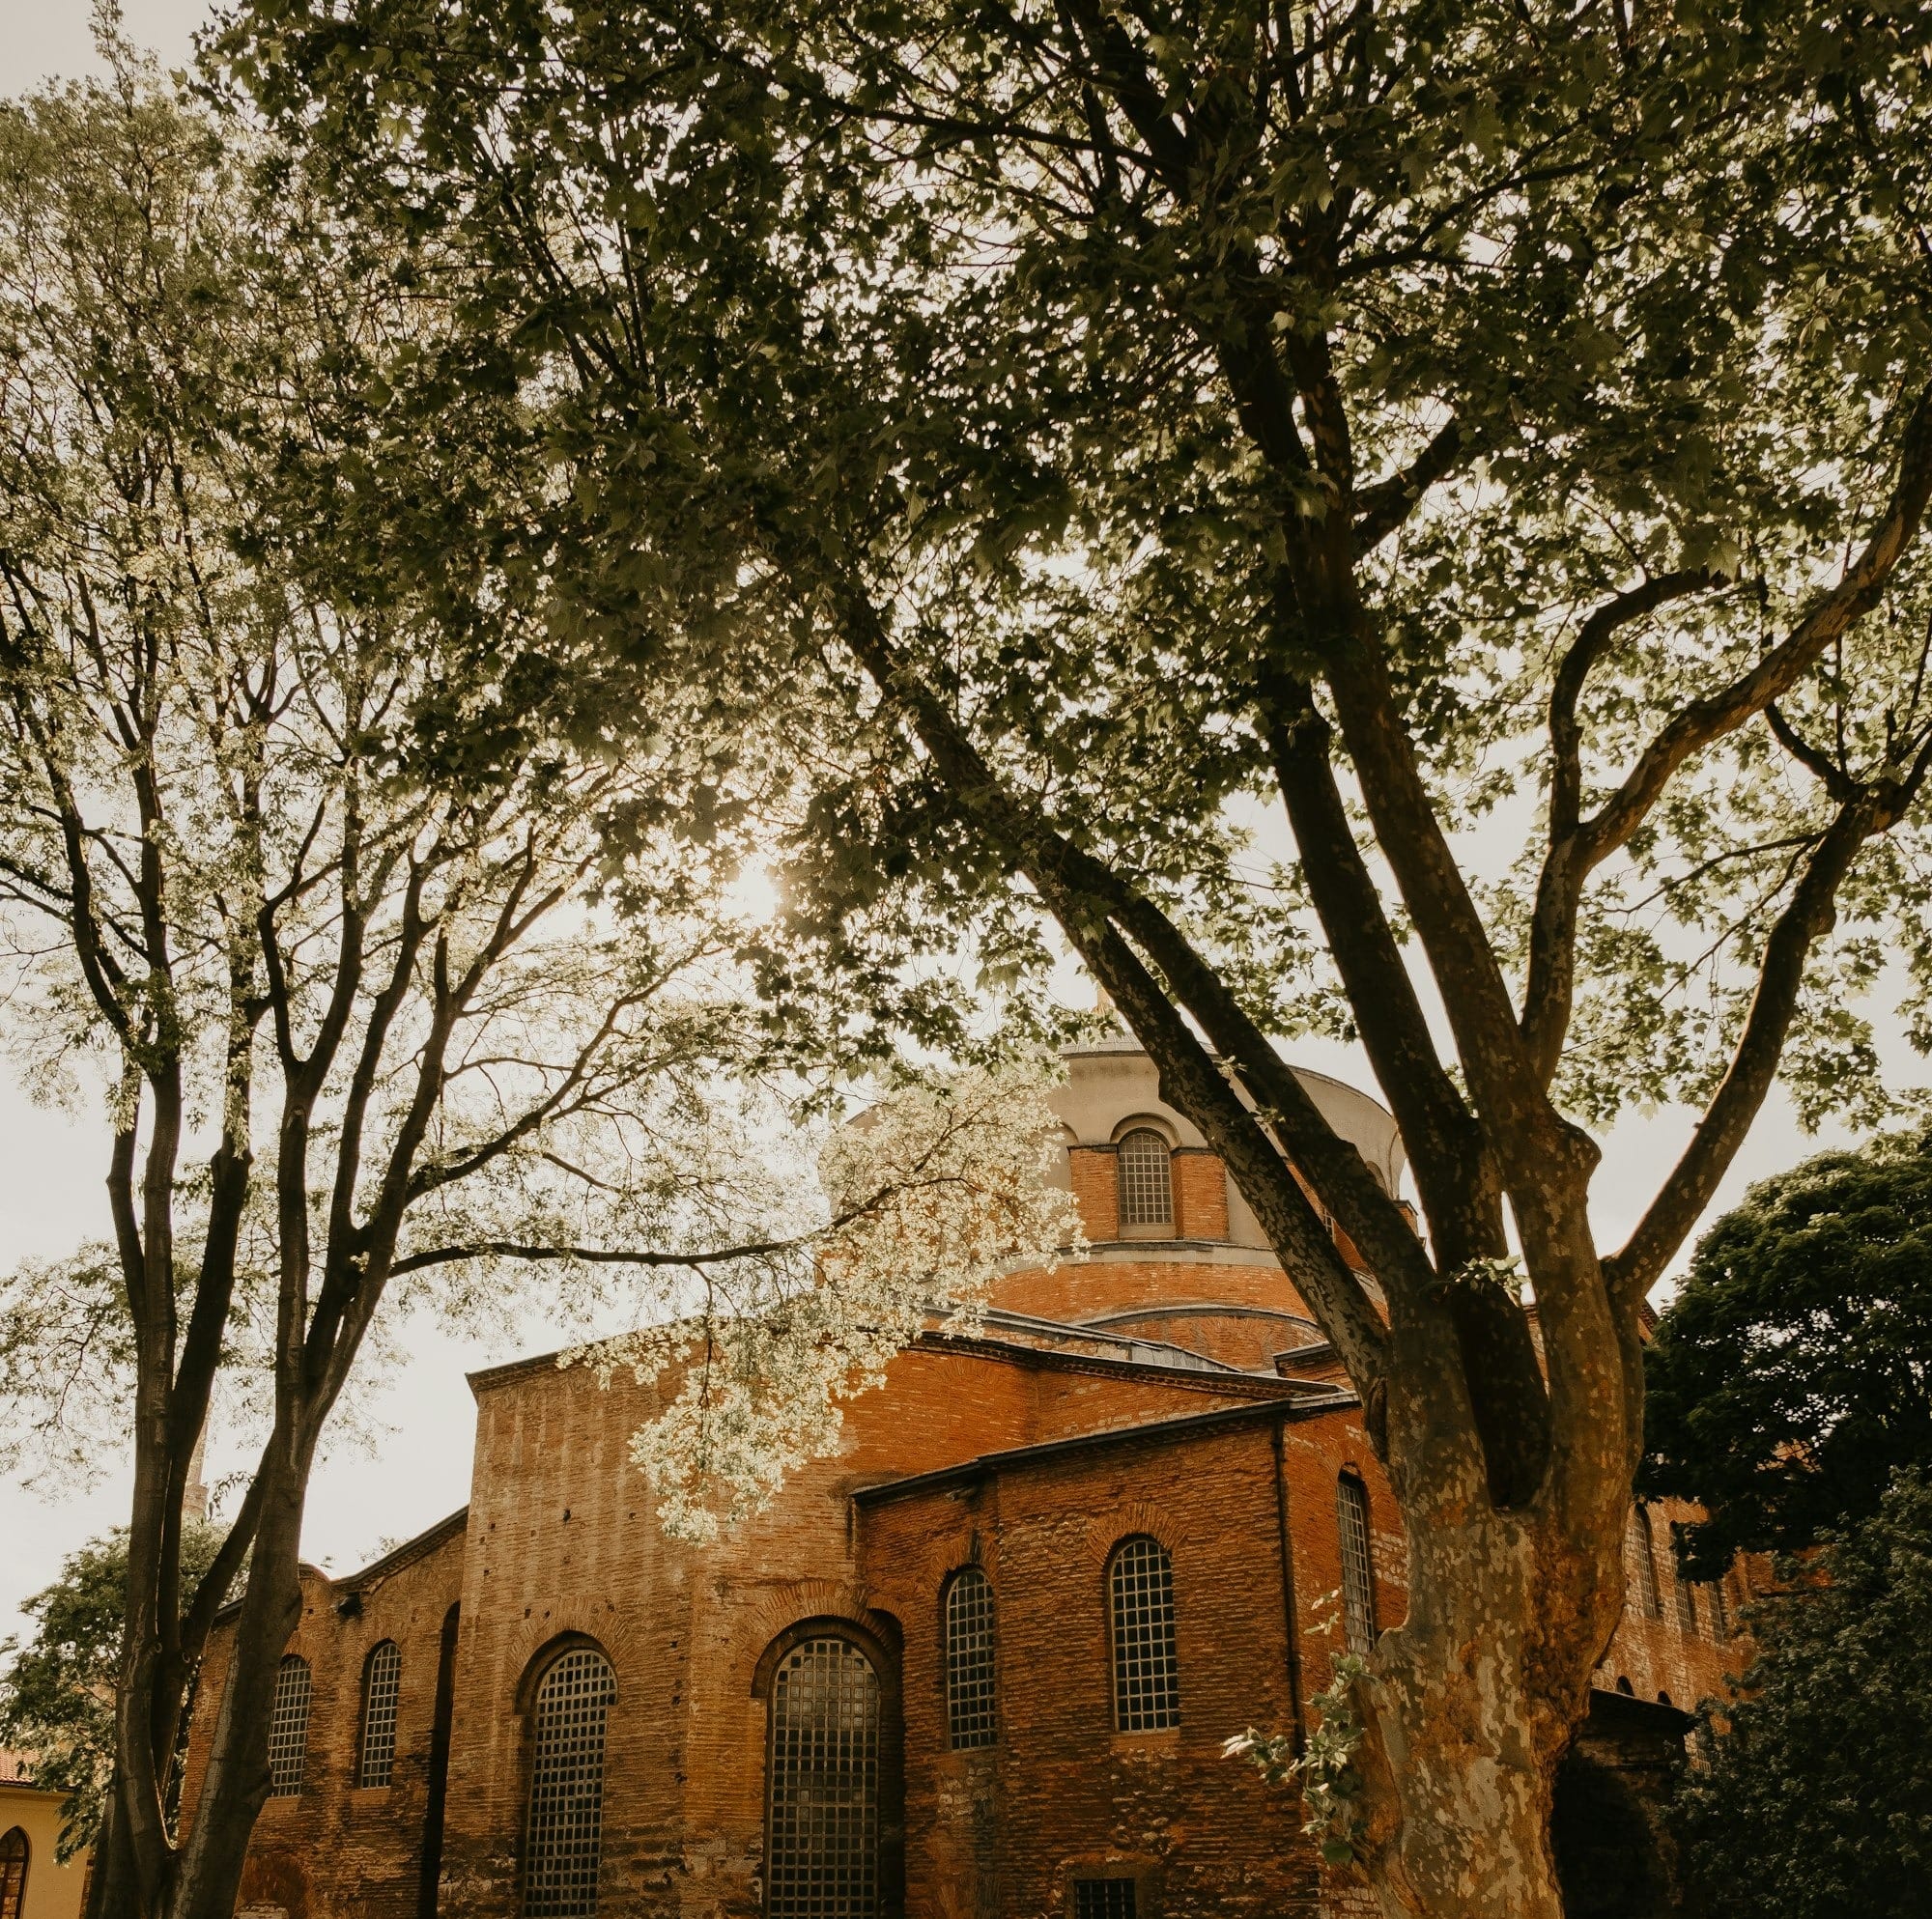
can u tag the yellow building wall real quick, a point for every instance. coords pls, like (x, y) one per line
(53, 1890)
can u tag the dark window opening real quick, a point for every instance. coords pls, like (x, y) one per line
(566, 1828)
(1104, 1899)
(823, 1856)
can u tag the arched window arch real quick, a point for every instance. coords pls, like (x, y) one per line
(13, 1859)
(1147, 1674)
(970, 1683)
(381, 1687)
(288, 1727)
(1358, 1571)
(1146, 1182)
(1643, 1549)
(822, 1783)
(565, 1829)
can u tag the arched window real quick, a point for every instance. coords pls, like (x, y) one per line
(382, 1681)
(1358, 1574)
(288, 1728)
(969, 1659)
(1147, 1180)
(1687, 1605)
(13, 1872)
(823, 1856)
(1643, 1549)
(566, 1822)
(1147, 1675)
(1715, 1610)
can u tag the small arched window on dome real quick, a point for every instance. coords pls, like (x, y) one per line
(1146, 1184)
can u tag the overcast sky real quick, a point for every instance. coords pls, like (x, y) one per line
(52, 1167)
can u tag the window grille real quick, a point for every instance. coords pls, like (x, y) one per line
(1146, 1678)
(1686, 1606)
(382, 1681)
(1721, 1624)
(1644, 1550)
(566, 1827)
(13, 1872)
(823, 1858)
(969, 1659)
(288, 1728)
(1147, 1180)
(1358, 1578)
(1104, 1899)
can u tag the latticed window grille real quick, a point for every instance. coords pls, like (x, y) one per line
(288, 1727)
(1720, 1617)
(566, 1825)
(969, 1659)
(1104, 1899)
(1146, 1675)
(1644, 1550)
(381, 1682)
(1358, 1577)
(1687, 1607)
(1147, 1180)
(823, 1858)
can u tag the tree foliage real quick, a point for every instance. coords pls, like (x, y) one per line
(1204, 474)
(1792, 1374)
(1814, 1798)
(410, 960)
(57, 1691)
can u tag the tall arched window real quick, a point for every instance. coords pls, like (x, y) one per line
(1643, 1549)
(1147, 1180)
(1687, 1605)
(969, 1659)
(566, 1822)
(288, 1727)
(1358, 1576)
(823, 1856)
(1716, 1610)
(13, 1873)
(1147, 1675)
(381, 1682)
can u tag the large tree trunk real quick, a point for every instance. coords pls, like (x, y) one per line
(235, 1784)
(1468, 1708)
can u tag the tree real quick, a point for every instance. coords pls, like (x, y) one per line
(1813, 1797)
(1792, 1375)
(1389, 429)
(57, 1692)
(306, 845)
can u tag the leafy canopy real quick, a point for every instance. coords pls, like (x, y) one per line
(1816, 1800)
(1792, 1375)
(57, 1689)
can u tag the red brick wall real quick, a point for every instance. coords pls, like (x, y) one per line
(1079, 1291)
(1200, 1195)
(1095, 1173)
(337, 1850)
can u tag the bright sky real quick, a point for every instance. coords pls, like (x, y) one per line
(52, 1167)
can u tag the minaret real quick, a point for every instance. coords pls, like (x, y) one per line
(195, 1498)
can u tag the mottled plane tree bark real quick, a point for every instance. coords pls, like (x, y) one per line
(1401, 427)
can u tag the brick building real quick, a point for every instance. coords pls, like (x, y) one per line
(981, 1663)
